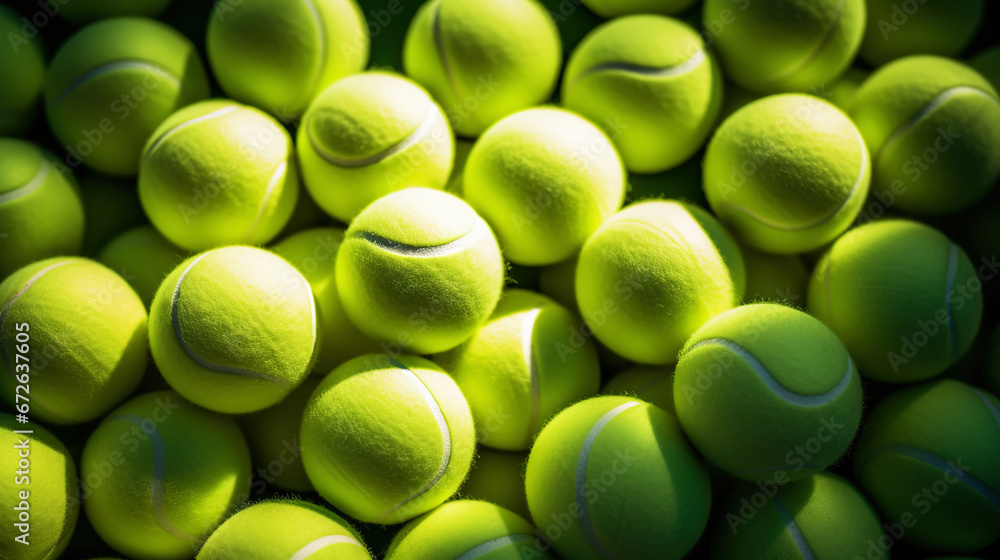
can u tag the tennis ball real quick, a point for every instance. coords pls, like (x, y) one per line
(234, 329)
(40, 208)
(747, 404)
(654, 385)
(279, 54)
(40, 493)
(616, 8)
(284, 529)
(528, 362)
(898, 29)
(933, 128)
(483, 59)
(24, 59)
(314, 253)
(498, 477)
(420, 270)
(159, 474)
(903, 298)
(787, 173)
(777, 278)
(987, 63)
(772, 46)
(143, 258)
(649, 81)
(467, 529)
(652, 274)
(82, 329)
(387, 439)
(112, 83)
(369, 135)
(929, 459)
(544, 179)
(558, 281)
(822, 516)
(84, 11)
(613, 477)
(111, 206)
(273, 437)
(218, 173)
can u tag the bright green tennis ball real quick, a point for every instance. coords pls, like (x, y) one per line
(896, 29)
(498, 477)
(787, 173)
(143, 258)
(544, 179)
(654, 273)
(654, 385)
(24, 59)
(159, 474)
(369, 135)
(112, 83)
(615, 8)
(467, 529)
(40, 492)
(748, 405)
(528, 362)
(558, 281)
(933, 128)
(314, 253)
(279, 54)
(41, 214)
(613, 477)
(929, 458)
(111, 206)
(650, 83)
(419, 270)
(273, 437)
(823, 516)
(84, 11)
(83, 330)
(285, 529)
(234, 329)
(387, 439)
(786, 45)
(777, 278)
(483, 59)
(903, 298)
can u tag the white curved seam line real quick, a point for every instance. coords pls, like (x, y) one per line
(208, 116)
(492, 545)
(422, 131)
(944, 466)
(989, 405)
(402, 249)
(527, 349)
(649, 71)
(30, 186)
(321, 31)
(775, 386)
(793, 530)
(816, 49)
(586, 523)
(445, 437)
(104, 69)
(321, 543)
(277, 176)
(948, 286)
(191, 353)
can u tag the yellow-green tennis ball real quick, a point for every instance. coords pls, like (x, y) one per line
(787, 173)
(279, 54)
(41, 214)
(823, 516)
(929, 458)
(896, 29)
(234, 329)
(616, 8)
(933, 128)
(466, 529)
(143, 258)
(903, 298)
(159, 474)
(84, 11)
(314, 253)
(419, 270)
(83, 331)
(219, 173)
(498, 477)
(558, 281)
(748, 405)
(544, 179)
(654, 385)
(650, 83)
(110, 206)
(24, 59)
(613, 477)
(528, 362)
(483, 59)
(369, 135)
(786, 45)
(387, 439)
(112, 83)
(654, 273)
(777, 278)
(40, 492)
(285, 529)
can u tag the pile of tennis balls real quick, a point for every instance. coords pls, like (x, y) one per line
(504, 279)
